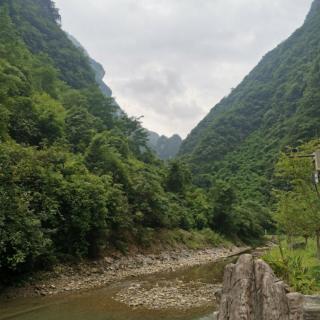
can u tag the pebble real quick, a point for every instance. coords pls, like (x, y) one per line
(116, 268)
(167, 295)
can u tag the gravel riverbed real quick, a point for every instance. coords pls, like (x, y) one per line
(89, 275)
(169, 295)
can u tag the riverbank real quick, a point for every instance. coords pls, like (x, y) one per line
(174, 294)
(89, 275)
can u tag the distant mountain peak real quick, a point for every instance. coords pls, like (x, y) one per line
(166, 148)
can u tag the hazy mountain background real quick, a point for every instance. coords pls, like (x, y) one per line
(166, 148)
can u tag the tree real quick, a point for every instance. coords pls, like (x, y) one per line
(23, 123)
(100, 106)
(50, 118)
(4, 116)
(136, 134)
(298, 209)
(178, 178)
(84, 215)
(103, 157)
(45, 77)
(223, 200)
(147, 198)
(79, 128)
(251, 221)
(22, 243)
(198, 203)
(293, 215)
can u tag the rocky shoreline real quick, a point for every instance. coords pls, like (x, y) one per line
(175, 294)
(89, 275)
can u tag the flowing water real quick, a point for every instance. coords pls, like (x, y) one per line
(99, 304)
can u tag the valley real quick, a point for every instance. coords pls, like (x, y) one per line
(101, 218)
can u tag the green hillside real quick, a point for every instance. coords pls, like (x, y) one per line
(76, 177)
(276, 105)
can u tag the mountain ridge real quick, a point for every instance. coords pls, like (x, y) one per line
(241, 137)
(165, 147)
(96, 66)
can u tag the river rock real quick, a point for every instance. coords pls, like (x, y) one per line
(251, 291)
(175, 294)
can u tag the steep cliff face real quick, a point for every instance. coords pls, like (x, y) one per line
(37, 22)
(276, 105)
(96, 67)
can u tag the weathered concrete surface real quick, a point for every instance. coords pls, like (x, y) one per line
(251, 291)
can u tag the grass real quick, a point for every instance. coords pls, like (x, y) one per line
(193, 239)
(299, 268)
(196, 239)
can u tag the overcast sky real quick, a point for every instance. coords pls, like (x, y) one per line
(173, 60)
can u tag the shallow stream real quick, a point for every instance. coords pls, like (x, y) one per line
(99, 304)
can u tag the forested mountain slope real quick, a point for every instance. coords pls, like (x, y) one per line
(75, 176)
(276, 105)
(96, 67)
(165, 148)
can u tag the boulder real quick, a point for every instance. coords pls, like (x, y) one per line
(251, 291)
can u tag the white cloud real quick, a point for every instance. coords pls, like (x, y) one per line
(173, 60)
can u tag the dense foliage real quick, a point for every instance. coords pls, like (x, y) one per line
(297, 194)
(76, 176)
(276, 105)
(297, 213)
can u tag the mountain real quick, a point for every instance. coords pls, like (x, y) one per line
(166, 148)
(77, 177)
(276, 105)
(96, 67)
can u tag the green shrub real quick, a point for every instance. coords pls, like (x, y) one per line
(297, 268)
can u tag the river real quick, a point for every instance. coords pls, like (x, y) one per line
(99, 304)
